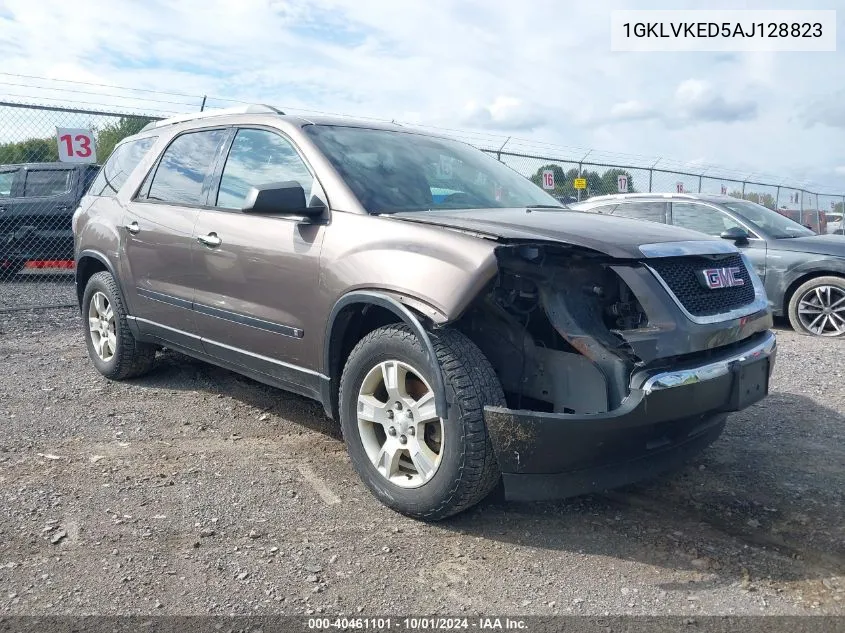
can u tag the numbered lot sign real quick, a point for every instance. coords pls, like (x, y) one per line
(679, 187)
(622, 183)
(76, 145)
(548, 179)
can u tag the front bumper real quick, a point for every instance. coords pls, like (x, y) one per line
(669, 416)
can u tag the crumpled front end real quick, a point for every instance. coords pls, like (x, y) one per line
(613, 369)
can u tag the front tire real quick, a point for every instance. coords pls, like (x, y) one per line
(410, 459)
(817, 307)
(112, 348)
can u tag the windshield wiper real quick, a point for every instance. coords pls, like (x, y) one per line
(545, 206)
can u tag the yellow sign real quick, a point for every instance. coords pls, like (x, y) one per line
(580, 183)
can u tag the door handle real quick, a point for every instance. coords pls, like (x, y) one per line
(210, 240)
(133, 228)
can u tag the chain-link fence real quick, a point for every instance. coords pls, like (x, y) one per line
(821, 212)
(49, 155)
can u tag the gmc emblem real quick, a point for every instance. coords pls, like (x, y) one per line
(715, 278)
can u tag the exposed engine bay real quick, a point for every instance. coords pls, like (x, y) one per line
(565, 331)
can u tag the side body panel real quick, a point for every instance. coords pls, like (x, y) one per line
(786, 268)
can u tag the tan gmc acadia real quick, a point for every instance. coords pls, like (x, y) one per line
(462, 326)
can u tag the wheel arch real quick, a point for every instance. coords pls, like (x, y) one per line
(88, 264)
(802, 279)
(355, 315)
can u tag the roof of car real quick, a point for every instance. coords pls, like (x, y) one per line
(51, 165)
(708, 197)
(249, 112)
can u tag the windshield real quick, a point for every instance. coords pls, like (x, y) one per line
(768, 221)
(392, 172)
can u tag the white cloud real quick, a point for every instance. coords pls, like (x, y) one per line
(699, 100)
(632, 110)
(536, 69)
(504, 114)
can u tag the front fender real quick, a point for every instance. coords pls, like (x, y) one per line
(331, 345)
(786, 270)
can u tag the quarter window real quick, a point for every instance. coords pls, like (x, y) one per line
(7, 179)
(702, 218)
(259, 157)
(651, 211)
(123, 160)
(45, 183)
(184, 166)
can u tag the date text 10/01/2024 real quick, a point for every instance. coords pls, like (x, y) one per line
(417, 624)
(725, 29)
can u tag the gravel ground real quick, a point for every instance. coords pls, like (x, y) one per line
(194, 491)
(36, 288)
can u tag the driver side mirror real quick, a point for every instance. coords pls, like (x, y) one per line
(737, 234)
(286, 198)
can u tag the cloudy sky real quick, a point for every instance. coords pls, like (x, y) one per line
(540, 70)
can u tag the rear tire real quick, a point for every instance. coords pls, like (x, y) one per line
(817, 307)
(112, 347)
(458, 468)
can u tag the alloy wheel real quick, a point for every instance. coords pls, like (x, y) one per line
(101, 326)
(398, 425)
(822, 311)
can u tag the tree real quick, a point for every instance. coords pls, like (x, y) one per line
(610, 181)
(44, 150)
(112, 133)
(765, 199)
(32, 150)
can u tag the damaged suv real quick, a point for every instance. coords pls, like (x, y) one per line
(462, 326)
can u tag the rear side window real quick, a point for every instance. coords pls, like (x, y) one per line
(651, 211)
(7, 179)
(697, 217)
(123, 160)
(184, 166)
(44, 183)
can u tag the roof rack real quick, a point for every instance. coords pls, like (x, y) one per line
(191, 116)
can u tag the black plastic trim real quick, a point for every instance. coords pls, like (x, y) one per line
(234, 317)
(266, 370)
(164, 298)
(105, 262)
(409, 318)
(261, 324)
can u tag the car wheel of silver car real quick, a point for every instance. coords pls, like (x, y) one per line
(411, 459)
(818, 307)
(112, 348)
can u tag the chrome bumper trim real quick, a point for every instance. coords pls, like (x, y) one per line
(693, 375)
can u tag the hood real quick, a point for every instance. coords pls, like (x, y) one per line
(611, 235)
(817, 244)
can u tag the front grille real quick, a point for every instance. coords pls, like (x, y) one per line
(680, 274)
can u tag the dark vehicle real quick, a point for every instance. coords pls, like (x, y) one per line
(461, 325)
(37, 201)
(803, 273)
